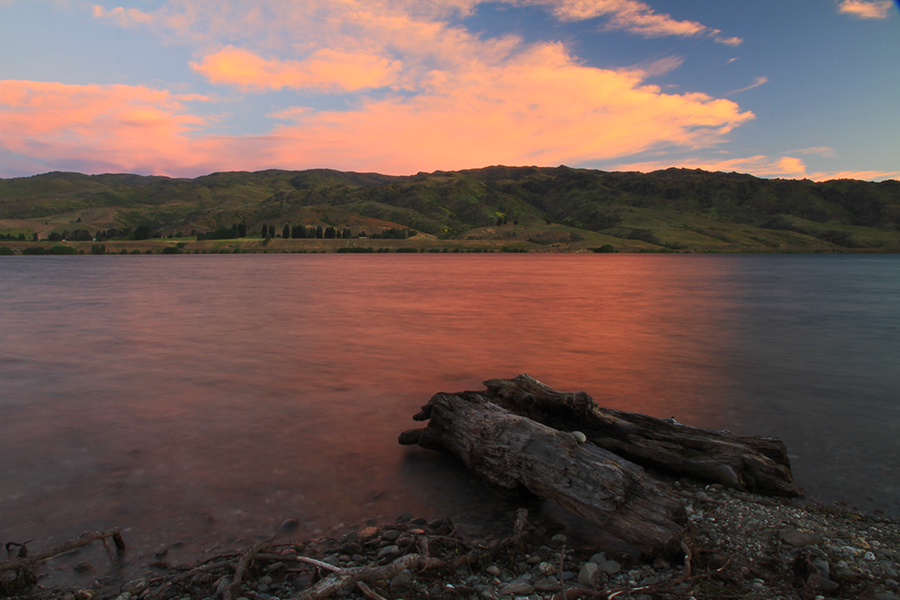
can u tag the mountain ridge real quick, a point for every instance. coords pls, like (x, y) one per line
(560, 208)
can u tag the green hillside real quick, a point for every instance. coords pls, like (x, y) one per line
(558, 209)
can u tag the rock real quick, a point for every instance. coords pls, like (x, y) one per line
(388, 551)
(390, 535)
(884, 596)
(546, 568)
(401, 580)
(611, 567)
(549, 584)
(869, 556)
(135, 587)
(351, 548)
(289, 525)
(559, 539)
(405, 518)
(367, 534)
(579, 437)
(798, 539)
(516, 588)
(493, 570)
(265, 580)
(589, 575)
(598, 558)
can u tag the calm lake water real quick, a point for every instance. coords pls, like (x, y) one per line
(198, 401)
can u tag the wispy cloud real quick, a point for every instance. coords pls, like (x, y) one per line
(762, 80)
(826, 151)
(864, 9)
(633, 16)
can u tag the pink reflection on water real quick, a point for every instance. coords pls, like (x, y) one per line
(203, 402)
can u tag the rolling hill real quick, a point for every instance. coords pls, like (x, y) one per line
(532, 208)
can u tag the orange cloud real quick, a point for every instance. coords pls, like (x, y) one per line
(114, 127)
(866, 10)
(325, 70)
(542, 109)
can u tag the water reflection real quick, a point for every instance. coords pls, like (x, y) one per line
(205, 399)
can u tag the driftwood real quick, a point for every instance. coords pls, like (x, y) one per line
(595, 484)
(755, 464)
(565, 448)
(24, 565)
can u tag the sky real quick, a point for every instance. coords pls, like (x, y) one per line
(182, 88)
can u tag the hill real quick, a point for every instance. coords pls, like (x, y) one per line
(557, 209)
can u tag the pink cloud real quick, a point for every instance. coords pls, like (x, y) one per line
(117, 127)
(324, 70)
(866, 10)
(786, 167)
(543, 109)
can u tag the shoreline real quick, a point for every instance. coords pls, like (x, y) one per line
(738, 545)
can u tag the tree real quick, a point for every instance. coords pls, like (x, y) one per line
(319, 232)
(265, 230)
(286, 231)
(142, 232)
(329, 233)
(271, 231)
(242, 229)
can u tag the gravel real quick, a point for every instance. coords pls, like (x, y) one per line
(739, 545)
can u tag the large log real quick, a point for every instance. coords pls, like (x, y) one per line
(756, 464)
(510, 450)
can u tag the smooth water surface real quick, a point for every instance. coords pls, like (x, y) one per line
(204, 399)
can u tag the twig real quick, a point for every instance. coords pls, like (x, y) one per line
(338, 581)
(562, 569)
(519, 524)
(369, 592)
(82, 540)
(244, 563)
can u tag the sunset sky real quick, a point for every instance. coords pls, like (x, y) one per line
(776, 88)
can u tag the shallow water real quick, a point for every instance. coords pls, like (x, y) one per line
(201, 400)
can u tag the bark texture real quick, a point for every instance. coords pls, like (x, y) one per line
(755, 464)
(510, 450)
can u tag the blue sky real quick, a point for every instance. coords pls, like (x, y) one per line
(800, 89)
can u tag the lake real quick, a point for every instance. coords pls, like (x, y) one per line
(198, 401)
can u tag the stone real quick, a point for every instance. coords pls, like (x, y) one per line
(390, 535)
(579, 437)
(611, 567)
(546, 568)
(869, 556)
(558, 539)
(289, 525)
(368, 533)
(589, 574)
(598, 558)
(493, 570)
(549, 584)
(266, 580)
(351, 548)
(401, 579)
(884, 596)
(516, 588)
(798, 539)
(387, 551)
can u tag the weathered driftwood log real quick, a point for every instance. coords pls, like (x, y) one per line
(510, 450)
(757, 464)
